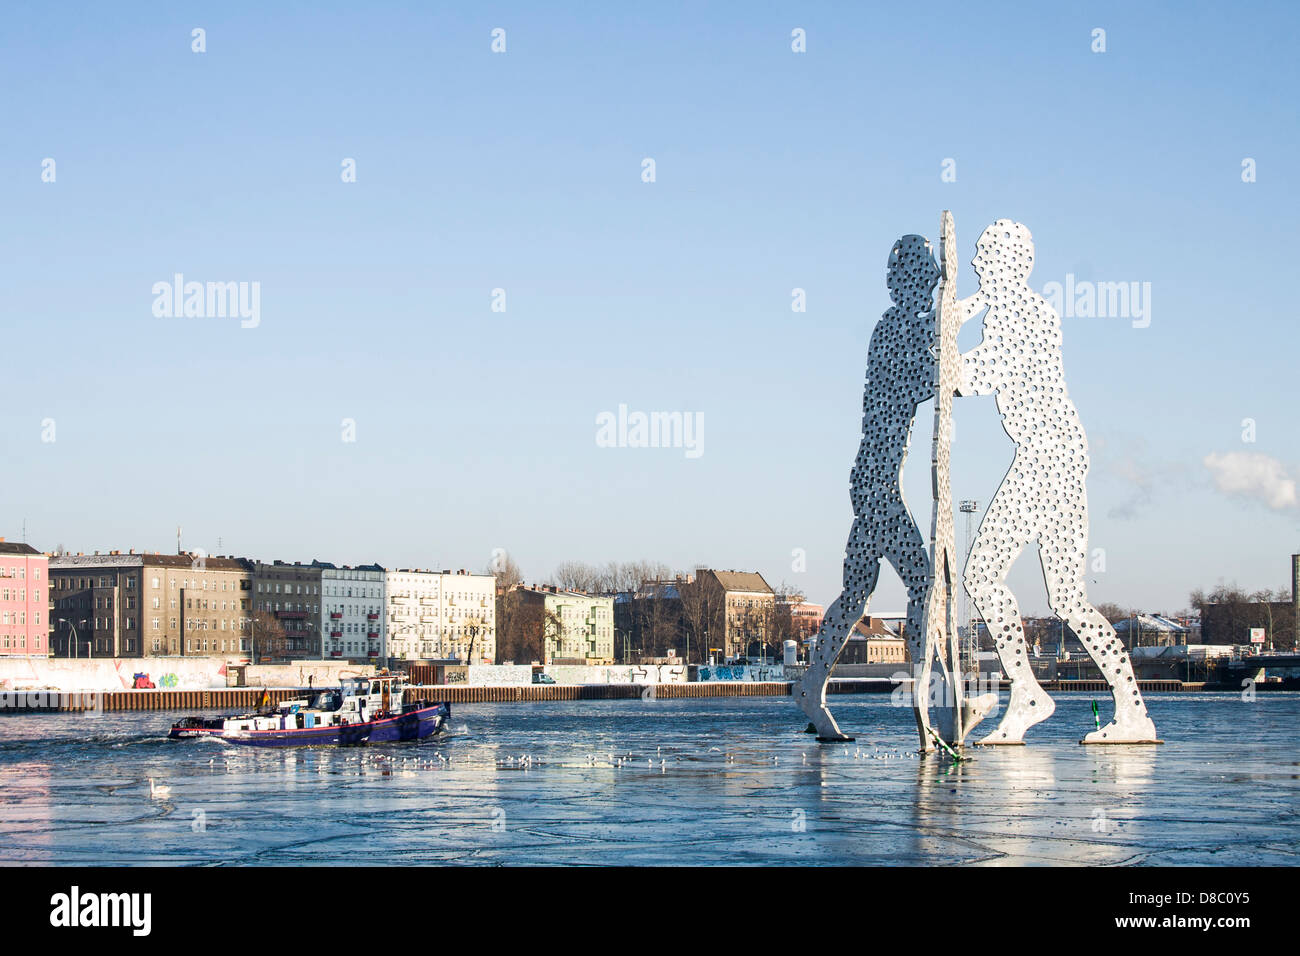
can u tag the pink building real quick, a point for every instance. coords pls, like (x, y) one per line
(24, 601)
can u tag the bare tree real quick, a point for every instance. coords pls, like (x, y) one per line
(576, 575)
(1114, 612)
(704, 613)
(519, 628)
(508, 576)
(552, 628)
(269, 640)
(506, 571)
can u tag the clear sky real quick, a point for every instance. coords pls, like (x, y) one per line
(522, 171)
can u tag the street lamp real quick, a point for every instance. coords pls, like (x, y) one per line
(75, 649)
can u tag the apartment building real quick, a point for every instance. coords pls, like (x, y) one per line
(291, 594)
(149, 605)
(749, 607)
(575, 627)
(24, 582)
(441, 616)
(353, 602)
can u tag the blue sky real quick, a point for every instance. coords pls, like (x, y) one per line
(774, 170)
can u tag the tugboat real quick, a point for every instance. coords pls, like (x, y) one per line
(362, 710)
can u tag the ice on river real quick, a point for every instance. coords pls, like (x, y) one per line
(730, 780)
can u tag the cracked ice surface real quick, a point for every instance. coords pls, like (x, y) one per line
(731, 780)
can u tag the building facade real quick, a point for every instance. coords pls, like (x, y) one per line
(575, 628)
(1233, 623)
(805, 620)
(24, 602)
(441, 616)
(290, 593)
(468, 616)
(353, 602)
(872, 642)
(150, 605)
(413, 597)
(749, 609)
(650, 622)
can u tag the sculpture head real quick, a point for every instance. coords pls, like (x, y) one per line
(1005, 253)
(912, 271)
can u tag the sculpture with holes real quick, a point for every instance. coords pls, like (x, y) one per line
(912, 358)
(900, 376)
(1043, 496)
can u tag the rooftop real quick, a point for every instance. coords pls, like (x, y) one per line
(13, 547)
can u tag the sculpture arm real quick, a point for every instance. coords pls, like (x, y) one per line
(974, 377)
(970, 307)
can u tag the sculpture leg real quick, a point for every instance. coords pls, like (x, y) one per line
(912, 563)
(991, 557)
(861, 570)
(1063, 568)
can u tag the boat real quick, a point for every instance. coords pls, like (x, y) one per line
(361, 710)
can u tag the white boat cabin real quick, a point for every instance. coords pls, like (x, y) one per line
(356, 700)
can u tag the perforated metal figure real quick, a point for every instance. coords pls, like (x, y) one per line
(1043, 496)
(900, 376)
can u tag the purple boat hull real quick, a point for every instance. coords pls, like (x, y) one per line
(415, 724)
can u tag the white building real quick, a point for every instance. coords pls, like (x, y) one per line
(441, 615)
(353, 602)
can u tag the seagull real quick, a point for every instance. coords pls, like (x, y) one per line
(157, 792)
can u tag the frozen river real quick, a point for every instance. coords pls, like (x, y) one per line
(731, 780)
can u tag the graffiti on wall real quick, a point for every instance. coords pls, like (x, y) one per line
(742, 672)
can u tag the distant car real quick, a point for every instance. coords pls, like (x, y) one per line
(543, 679)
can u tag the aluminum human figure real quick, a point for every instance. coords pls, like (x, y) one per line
(900, 376)
(1043, 496)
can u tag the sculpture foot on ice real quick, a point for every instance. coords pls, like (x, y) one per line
(975, 709)
(810, 703)
(1029, 705)
(1128, 727)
